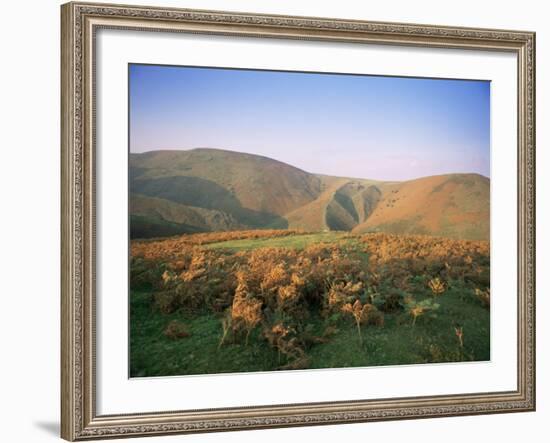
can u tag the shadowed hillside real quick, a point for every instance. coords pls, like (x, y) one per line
(168, 218)
(202, 190)
(251, 181)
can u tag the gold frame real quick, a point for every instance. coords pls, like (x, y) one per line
(79, 22)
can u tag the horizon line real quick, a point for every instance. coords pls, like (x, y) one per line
(301, 169)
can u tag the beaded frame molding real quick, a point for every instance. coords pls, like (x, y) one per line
(79, 23)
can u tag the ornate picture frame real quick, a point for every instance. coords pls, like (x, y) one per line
(80, 23)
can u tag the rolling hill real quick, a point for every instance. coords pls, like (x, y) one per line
(201, 190)
(455, 206)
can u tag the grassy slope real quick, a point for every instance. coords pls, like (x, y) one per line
(291, 241)
(235, 179)
(191, 219)
(398, 342)
(312, 216)
(143, 226)
(343, 204)
(454, 206)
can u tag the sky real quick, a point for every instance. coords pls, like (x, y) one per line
(385, 128)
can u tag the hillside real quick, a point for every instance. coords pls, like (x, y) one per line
(203, 190)
(455, 206)
(166, 217)
(225, 180)
(343, 205)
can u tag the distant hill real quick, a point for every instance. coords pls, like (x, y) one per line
(455, 206)
(341, 206)
(166, 217)
(203, 190)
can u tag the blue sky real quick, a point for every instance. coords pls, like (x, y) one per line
(387, 128)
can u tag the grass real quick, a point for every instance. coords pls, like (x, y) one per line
(292, 241)
(432, 339)
(154, 354)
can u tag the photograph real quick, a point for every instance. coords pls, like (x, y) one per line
(283, 220)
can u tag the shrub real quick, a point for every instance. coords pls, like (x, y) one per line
(360, 313)
(459, 333)
(437, 286)
(417, 309)
(246, 311)
(176, 329)
(165, 302)
(483, 296)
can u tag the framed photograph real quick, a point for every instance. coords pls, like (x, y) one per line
(283, 221)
